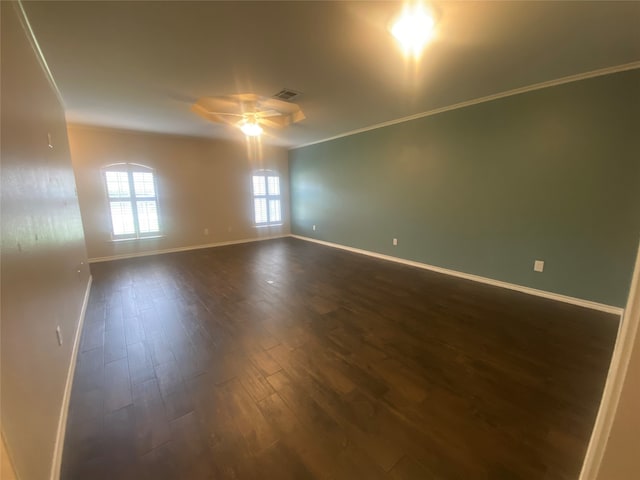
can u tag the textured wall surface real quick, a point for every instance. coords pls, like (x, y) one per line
(44, 260)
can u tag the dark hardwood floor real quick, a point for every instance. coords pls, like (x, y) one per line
(289, 360)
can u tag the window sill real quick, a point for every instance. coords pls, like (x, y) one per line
(269, 225)
(120, 240)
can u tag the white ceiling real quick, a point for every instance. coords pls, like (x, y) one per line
(139, 65)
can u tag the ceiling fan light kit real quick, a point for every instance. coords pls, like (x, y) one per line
(251, 128)
(254, 112)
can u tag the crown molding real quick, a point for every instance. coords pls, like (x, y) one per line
(509, 93)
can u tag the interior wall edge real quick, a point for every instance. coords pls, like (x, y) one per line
(476, 278)
(456, 106)
(26, 26)
(6, 461)
(182, 249)
(615, 380)
(56, 463)
(44, 283)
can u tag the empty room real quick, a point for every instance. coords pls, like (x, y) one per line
(320, 240)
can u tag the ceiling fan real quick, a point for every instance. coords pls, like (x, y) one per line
(248, 111)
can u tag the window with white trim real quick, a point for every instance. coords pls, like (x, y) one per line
(267, 204)
(133, 201)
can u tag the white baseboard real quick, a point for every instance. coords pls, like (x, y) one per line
(476, 278)
(181, 249)
(64, 410)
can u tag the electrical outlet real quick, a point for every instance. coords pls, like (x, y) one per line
(314, 228)
(538, 266)
(395, 242)
(206, 231)
(59, 335)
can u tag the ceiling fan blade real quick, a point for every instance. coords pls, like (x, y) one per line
(226, 113)
(274, 122)
(279, 105)
(245, 97)
(211, 116)
(268, 113)
(283, 120)
(297, 116)
(220, 104)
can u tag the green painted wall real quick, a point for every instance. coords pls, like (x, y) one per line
(552, 174)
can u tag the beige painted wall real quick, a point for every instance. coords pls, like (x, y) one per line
(201, 183)
(6, 467)
(621, 459)
(44, 260)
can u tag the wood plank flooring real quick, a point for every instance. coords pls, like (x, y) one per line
(289, 360)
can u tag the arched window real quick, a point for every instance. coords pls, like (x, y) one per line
(267, 206)
(133, 200)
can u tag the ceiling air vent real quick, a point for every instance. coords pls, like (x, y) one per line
(286, 94)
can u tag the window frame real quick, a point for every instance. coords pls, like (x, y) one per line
(130, 169)
(265, 174)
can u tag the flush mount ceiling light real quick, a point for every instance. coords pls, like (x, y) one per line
(414, 28)
(251, 128)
